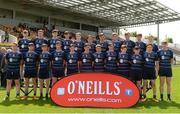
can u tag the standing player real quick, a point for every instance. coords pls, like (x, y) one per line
(141, 44)
(39, 41)
(111, 59)
(23, 43)
(99, 59)
(129, 43)
(117, 43)
(44, 68)
(165, 71)
(102, 41)
(86, 59)
(151, 41)
(92, 45)
(14, 66)
(31, 66)
(66, 42)
(79, 44)
(123, 62)
(58, 63)
(72, 61)
(137, 67)
(52, 42)
(150, 66)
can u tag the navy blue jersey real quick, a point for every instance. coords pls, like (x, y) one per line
(23, 45)
(72, 61)
(99, 59)
(66, 44)
(123, 60)
(137, 62)
(86, 59)
(155, 48)
(104, 46)
(150, 59)
(142, 46)
(45, 60)
(79, 46)
(52, 44)
(117, 44)
(38, 42)
(14, 59)
(30, 59)
(93, 48)
(165, 57)
(111, 60)
(58, 58)
(130, 45)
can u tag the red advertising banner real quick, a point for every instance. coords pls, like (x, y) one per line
(95, 90)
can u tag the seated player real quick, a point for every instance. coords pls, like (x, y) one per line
(99, 59)
(14, 62)
(150, 66)
(86, 59)
(123, 62)
(30, 71)
(44, 68)
(165, 56)
(58, 63)
(111, 59)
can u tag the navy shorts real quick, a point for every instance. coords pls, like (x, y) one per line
(136, 75)
(165, 72)
(113, 71)
(149, 74)
(71, 71)
(123, 73)
(13, 74)
(57, 72)
(30, 73)
(44, 73)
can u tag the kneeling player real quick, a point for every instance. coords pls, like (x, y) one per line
(165, 71)
(30, 71)
(14, 64)
(99, 59)
(45, 64)
(58, 63)
(150, 66)
(137, 67)
(72, 59)
(86, 59)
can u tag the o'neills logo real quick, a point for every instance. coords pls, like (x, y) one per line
(95, 90)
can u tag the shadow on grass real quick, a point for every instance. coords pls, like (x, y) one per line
(162, 104)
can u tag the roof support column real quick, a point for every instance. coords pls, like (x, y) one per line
(158, 33)
(49, 22)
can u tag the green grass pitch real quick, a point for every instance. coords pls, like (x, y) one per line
(46, 106)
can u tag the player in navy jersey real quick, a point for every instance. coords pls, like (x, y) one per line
(123, 62)
(99, 59)
(66, 42)
(137, 67)
(165, 56)
(23, 43)
(44, 68)
(79, 44)
(39, 41)
(111, 59)
(117, 43)
(102, 41)
(53, 40)
(150, 66)
(58, 63)
(86, 59)
(151, 41)
(14, 67)
(72, 61)
(129, 43)
(140, 43)
(91, 43)
(30, 71)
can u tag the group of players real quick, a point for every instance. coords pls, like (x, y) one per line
(55, 58)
